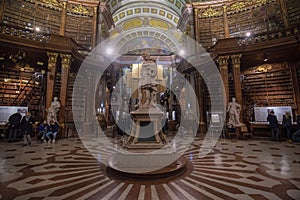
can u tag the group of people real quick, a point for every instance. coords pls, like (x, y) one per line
(23, 126)
(48, 131)
(287, 124)
(19, 125)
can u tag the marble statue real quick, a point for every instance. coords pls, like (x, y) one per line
(147, 85)
(52, 110)
(234, 110)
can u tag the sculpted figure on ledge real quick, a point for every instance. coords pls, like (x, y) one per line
(52, 110)
(234, 110)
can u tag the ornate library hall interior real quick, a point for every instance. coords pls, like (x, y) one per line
(150, 99)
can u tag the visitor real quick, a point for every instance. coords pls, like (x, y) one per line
(14, 122)
(272, 119)
(52, 130)
(42, 130)
(296, 135)
(27, 128)
(287, 124)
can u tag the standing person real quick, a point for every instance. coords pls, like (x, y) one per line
(287, 124)
(272, 119)
(296, 135)
(14, 122)
(27, 128)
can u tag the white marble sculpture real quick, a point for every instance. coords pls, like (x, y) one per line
(234, 109)
(147, 85)
(52, 110)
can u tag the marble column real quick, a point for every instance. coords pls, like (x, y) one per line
(52, 59)
(66, 61)
(225, 21)
(223, 66)
(200, 96)
(284, 13)
(90, 108)
(196, 25)
(63, 19)
(236, 62)
(296, 83)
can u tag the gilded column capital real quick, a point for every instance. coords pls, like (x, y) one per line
(223, 60)
(64, 4)
(52, 58)
(66, 60)
(236, 59)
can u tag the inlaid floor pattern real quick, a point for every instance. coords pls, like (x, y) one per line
(245, 169)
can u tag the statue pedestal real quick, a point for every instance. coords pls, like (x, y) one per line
(146, 165)
(146, 130)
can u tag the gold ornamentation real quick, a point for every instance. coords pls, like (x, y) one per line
(81, 10)
(237, 6)
(264, 68)
(52, 58)
(210, 12)
(53, 3)
(66, 60)
(236, 59)
(223, 60)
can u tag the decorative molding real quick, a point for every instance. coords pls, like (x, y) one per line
(264, 68)
(237, 6)
(80, 9)
(210, 12)
(52, 59)
(54, 3)
(223, 61)
(236, 60)
(66, 60)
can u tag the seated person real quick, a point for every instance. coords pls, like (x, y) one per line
(52, 129)
(43, 130)
(232, 130)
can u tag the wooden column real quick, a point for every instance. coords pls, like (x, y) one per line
(2, 8)
(99, 24)
(52, 59)
(296, 83)
(225, 21)
(95, 16)
(223, 66)
(284, 13)
(63, 19)
(66, 61)
(236, 62)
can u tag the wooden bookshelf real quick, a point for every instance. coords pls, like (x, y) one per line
(271, 88)
(293, 7)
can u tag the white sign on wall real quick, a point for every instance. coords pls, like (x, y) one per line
(6, 111)
(261, 113)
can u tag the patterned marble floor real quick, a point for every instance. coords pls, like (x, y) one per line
(244, 169)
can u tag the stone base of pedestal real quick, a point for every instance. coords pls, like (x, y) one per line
(146, 130)
(146, 165)
(144, 145)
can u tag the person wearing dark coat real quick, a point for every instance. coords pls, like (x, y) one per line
(274, 125)
(14, 122)
(27, 128)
